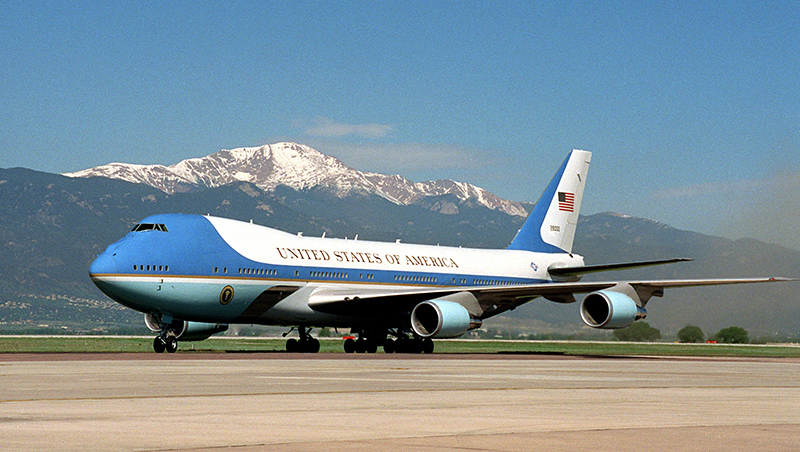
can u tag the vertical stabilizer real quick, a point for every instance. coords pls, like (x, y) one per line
(550, 227)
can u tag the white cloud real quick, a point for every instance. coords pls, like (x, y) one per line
(328, 128)
(361, 146)
(396, 158)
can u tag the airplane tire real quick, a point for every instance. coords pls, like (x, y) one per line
(372, 346)
(413, 346)
(172, 344)
(292, 346)
(349, 346)
(361, 346)
(401, 346)
(427, 346)
(388, 346)
(309, 346)
(159, 345)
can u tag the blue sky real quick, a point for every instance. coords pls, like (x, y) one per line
(692, 109)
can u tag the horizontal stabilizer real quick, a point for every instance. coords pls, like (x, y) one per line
(572, 271)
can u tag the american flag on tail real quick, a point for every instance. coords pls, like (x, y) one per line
(566, 201)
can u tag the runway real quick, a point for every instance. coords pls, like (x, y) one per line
(281, 402)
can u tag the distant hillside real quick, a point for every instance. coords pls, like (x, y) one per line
(52, 227)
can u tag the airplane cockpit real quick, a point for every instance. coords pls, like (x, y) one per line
(141, 227)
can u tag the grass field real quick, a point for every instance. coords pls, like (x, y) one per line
(106, 344)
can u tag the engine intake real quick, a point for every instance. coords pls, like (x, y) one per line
(184, 330)
(607, 309)
(441, 319)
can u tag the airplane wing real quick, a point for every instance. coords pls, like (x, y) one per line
(584, 269)
(493, 299)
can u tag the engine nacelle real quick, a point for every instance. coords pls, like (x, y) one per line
(184, 330)
(442, 319)
(610, 310)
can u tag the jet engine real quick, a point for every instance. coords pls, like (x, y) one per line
(441, 319)
(610, 310)
(184, 330)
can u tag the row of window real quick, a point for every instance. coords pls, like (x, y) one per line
(154, 268)
(338, 275)
(490, 282)
(256, 271)
(429, 279)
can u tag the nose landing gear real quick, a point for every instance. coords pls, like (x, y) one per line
(165, 342)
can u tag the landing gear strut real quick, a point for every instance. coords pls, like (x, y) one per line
(306, 344)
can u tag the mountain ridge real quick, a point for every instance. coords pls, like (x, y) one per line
(294, 165)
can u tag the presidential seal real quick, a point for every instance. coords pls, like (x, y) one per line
(226, 295)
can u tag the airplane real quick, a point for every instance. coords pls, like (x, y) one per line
(192, 276)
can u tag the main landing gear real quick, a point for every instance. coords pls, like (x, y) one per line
(369, 343)
(165, 342)
(306, 344)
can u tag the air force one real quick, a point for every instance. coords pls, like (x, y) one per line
(192, 276)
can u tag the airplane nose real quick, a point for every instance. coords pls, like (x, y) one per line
(104, 264)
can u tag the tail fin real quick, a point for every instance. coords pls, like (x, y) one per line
(550, 227)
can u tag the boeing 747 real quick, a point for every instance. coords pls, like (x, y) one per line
(192, 276)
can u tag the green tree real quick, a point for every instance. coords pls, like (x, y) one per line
(637, 332)
(732, 335)
(324, 332)
(691, 333)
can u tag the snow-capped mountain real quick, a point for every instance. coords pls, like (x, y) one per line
(294, 165)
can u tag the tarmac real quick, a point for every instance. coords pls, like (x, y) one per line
(280, 402)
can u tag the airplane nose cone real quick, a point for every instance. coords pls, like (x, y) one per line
(104, 264)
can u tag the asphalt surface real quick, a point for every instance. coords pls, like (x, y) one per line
(281, 402)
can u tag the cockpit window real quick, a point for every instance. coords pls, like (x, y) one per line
(149, 227)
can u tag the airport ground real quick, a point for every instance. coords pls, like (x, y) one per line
(333, 401)
(143, 344)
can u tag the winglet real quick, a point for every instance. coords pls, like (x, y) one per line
(550, 227)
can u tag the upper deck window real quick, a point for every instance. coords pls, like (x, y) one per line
(149, 227)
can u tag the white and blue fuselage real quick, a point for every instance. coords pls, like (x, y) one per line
(183, 263)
